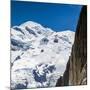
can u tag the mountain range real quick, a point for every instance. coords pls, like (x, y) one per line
(38, 55)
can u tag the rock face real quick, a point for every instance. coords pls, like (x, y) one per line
(76, 69)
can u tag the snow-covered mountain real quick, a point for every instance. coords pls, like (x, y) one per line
(38, 55)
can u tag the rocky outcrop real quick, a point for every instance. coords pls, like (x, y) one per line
(76, 69)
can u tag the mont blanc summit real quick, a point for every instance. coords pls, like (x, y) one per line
(38, 55)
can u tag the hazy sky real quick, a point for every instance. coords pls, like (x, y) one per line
(56, 16)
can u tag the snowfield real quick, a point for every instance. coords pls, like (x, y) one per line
(38, 55)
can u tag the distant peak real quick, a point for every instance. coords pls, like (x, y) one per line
(36, 26)
(67, 31)
(31, 24)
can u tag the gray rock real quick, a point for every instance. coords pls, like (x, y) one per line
(76, 69)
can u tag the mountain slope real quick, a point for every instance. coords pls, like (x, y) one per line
(38, 55)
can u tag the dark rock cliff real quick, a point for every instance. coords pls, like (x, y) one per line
(76, 69)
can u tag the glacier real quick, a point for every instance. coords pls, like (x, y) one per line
(38, 55)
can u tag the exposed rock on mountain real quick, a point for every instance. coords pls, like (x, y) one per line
(38, 55)
(76, 70)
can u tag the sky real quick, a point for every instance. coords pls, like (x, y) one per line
(58, 17)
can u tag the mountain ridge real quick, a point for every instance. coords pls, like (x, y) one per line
(36, 54)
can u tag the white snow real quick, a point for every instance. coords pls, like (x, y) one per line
(39, 47)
